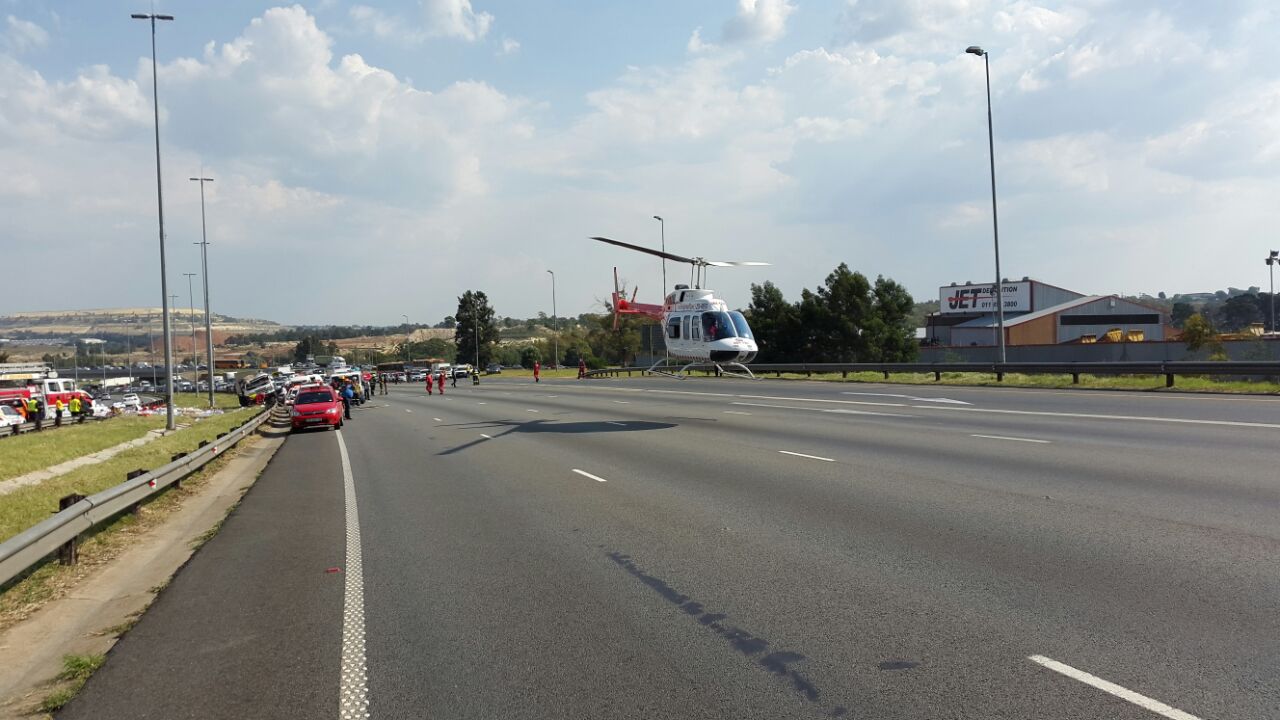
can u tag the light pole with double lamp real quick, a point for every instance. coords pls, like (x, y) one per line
(204, 269)
(1272, 260)
(170, 423)
(662, 236)
(995, 222)
(407, 333)
(555, 322)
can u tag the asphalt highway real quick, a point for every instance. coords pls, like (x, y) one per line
(716, 548)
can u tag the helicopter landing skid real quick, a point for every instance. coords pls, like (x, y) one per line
(683, 372)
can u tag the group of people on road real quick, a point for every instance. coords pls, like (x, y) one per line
(33, 410)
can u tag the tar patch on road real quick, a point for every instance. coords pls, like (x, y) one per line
(774, 661)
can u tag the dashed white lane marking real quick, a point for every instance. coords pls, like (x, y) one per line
(811, 457)
(407, 410)
(1014, 439)
(532, 410)
(584, 473)
(437, 419)
(480, 403)
(353, 698)
(1138, 699)
(486, 437)
(610, 422)
(623, 402)
(735, 412)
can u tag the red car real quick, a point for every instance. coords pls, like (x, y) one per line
(316, 406)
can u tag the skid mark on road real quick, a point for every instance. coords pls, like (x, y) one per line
(353, 699)
(773, 661)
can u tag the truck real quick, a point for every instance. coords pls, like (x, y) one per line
(21, 381)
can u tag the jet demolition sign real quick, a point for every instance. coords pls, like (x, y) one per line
(982, 298)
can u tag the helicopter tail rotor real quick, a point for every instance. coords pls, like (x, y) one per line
(618, 299)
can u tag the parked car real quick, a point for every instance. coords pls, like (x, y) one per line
(316, 406)
(9, 417)
(131, 400)
(493, 369)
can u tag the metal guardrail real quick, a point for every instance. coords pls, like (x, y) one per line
(1074, 369)
(30, 547)
(27, 427)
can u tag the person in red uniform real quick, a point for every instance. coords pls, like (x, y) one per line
(440, 382)
(537, 370)
(582, 368)
(429, 379)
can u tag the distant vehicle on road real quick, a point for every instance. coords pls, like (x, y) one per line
(493, 369)
(316, 406)
(131, 400)
(461, 372)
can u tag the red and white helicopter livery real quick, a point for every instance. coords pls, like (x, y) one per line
(699, 328)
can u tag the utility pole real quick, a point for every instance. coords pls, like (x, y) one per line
(662, 228)
(204, 270)
(555, 322)
(995, 222)
(191, 310)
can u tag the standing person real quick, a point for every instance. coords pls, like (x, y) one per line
(31, 411)
(582, 368)
(537, 371)
(38, 415)
(347, 395)
(57, 412)
(75, 407)
(440, 382)
(453, 373)
(430, 381)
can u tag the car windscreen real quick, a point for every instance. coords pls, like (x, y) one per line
(307, 398)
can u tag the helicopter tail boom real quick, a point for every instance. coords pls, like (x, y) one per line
(623, 306)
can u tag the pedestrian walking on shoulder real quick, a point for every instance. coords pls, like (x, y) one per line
(347, 396)
(453, 373)
(582, 368)
(537, 371)
(440, 382)
(430, 382)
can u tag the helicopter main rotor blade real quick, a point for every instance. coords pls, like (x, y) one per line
(659, 253)
(736, 263)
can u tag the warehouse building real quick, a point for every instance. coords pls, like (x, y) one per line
(1037, 313)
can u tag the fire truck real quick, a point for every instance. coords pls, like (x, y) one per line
(20, 381)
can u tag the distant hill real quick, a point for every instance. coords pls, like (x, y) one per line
(132, 321)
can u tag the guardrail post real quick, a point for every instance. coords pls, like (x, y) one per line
(1075, 378)
(1168, 380)
(136, 507)
(69, 554)
(886, 374)
(177, 483)
(999, 376)
(937, 376)
(844, 374)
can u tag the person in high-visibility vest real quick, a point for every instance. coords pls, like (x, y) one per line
(33, 411)
(58, 407)
(76, 409)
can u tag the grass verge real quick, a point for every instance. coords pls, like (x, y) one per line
(1182, 383)
(35, 451)
(223, 401)
(566, 372)
(76, 670)
(51, 580)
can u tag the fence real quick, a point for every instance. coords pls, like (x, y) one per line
(1075, 369)
(59, 533)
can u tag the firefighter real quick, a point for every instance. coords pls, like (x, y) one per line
(58, 407)
(35, 411)
(76, 408)
(440, 381)
(537, 371)
(430, 381)
(582, 368)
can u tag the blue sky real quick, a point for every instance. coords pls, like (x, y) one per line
(378, 158)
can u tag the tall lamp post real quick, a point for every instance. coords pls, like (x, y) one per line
(407, 360)
(662, 229)
(995, 222)
(170, 423)
(191, 310)
(204, 271)
(555, 322)
(1272, 260)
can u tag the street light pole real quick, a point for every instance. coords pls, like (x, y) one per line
(995, 222)
(555, 322)
(475, 323)
(204, 271)
(1272, 260)
(662, 228)
(191, 310)
(170, 423)
(407, 359)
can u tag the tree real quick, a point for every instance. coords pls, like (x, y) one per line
(774, 322)
(529, 356)
(890, 335)
(1239, 312)
(475, 321)
(4, 357)
(309, 345)
(1199, 332)
(1181, 311)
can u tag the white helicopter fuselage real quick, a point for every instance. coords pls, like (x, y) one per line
(699, 326)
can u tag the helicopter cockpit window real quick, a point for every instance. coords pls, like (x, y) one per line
(740, 324)
(673, 329)
(717, 326)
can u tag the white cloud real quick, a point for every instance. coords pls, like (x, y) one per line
(696, 44)
(456, 18)
(509, 46)
(379, 24)
(758, 21)
(23, 35)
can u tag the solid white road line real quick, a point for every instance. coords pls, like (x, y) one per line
(908, 397)
(811, 457)
(587, 474)
(610, 422)
(353, 698)
(1138, 699)
(842, 411)
(1015, 439)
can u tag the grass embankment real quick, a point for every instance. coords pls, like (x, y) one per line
(1182, 383)
(224, 401)
(35, 451)
(561, 373)
(23, 508)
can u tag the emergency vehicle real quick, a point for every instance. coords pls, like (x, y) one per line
(20, 381)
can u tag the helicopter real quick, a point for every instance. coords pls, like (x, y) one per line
(699, 328)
